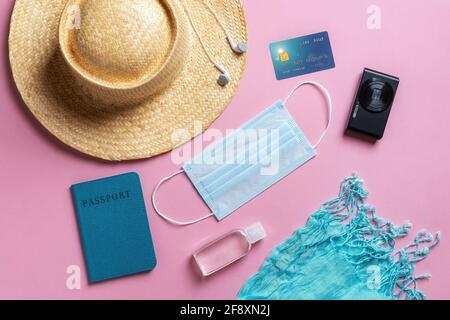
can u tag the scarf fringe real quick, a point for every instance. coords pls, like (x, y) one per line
(375, 239)
(365, 240)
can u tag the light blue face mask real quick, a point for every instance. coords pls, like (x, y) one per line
(263, 151)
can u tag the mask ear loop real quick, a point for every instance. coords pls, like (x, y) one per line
(162, 215)
(329, 105)
(160, 183)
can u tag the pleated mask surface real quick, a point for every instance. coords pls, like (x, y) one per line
(233, 171)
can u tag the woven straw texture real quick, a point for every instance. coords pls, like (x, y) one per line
(77, 106)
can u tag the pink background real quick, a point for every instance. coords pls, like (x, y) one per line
(407, 173)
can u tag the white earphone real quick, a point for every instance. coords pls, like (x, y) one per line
(239, 48)
(224, 77)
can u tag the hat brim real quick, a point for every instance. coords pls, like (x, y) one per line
(194, 100)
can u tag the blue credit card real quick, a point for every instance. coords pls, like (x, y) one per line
(302, 55)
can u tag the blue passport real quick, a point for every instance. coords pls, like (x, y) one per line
(302, 55)
(113, 225)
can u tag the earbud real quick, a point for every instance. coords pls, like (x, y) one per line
(224, 77)
(239, 48)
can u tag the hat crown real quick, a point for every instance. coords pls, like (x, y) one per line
(123, 51)
(123, 39)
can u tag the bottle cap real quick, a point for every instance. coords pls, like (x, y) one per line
(255, 233)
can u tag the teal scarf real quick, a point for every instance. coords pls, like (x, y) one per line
(344, 252)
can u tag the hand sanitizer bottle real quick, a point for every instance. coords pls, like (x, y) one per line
(227, 249)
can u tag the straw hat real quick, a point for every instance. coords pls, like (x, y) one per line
(116, 79)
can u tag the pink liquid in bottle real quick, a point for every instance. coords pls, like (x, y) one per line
(227, 249)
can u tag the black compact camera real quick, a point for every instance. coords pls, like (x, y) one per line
(373, 103)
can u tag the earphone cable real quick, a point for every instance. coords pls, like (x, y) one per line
(205, 49)
(214, 13)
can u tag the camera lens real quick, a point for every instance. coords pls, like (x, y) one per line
(376, 95)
